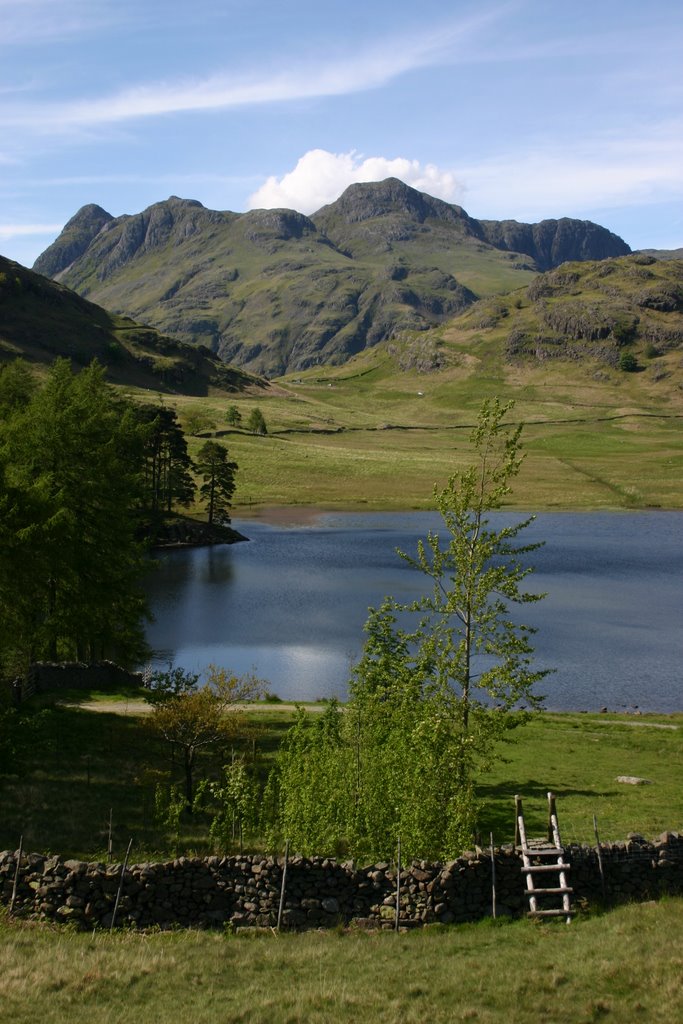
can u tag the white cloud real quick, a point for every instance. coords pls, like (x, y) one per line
(39, 21)
(320, 177)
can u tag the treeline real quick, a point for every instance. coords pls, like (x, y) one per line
(86, 477)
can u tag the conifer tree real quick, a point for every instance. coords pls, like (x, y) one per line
(72, 457)
(218, 474)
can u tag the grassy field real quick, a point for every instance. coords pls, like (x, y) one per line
(86, 764)
(368, 436)
(624, 966)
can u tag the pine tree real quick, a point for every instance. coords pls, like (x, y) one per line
(218, 474)
(168, 466)
(72, 483)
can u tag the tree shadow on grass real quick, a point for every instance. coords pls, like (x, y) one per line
(498, 806)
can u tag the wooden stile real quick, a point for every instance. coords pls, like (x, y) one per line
(544, 857)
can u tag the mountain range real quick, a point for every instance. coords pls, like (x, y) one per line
(274, 291)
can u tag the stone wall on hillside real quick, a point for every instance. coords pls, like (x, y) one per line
(244, 891)
(47, 676)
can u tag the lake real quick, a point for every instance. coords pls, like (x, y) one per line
(290, 604)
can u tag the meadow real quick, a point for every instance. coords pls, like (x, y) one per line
(85, 764)
(343, 437)
(623, 966)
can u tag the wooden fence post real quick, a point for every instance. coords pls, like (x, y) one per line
(16, 876)
(118, 893)
(282, 886)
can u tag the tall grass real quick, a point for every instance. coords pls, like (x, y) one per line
(623, 967)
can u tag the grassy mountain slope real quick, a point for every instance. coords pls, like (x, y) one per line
(275, 291)
(40, 320)
(379, 431)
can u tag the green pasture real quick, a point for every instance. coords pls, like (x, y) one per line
(624, 966)
(367, 434)
(85, 763)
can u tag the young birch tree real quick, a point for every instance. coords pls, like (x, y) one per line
(429, 701)
(478, 650)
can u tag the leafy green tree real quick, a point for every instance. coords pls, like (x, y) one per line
(430, 701)
(163, 686)
(628, 362)
(234, 799)
(256, 422)
(71, 458)
(218, 475)
(194, 721)
(198, 422)
(466, 630)
(233, 416)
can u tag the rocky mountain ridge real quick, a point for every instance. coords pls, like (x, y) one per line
(276, 291)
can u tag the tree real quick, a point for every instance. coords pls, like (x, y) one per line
(233, 416)
(168, 466)
(628, 362)
(195, 720)
(71, 458)
(218, 474)
(256, 422)
(233, 799)
(197, 421)
(430, 701)
(475, 646)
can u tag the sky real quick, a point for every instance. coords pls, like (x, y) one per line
(520, 110)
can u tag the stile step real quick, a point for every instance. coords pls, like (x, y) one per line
(544, 892)
(550, 913)
(531, 869)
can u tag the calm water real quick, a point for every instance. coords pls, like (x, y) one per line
(290, 605)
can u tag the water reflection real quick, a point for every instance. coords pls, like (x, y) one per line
(291, 604)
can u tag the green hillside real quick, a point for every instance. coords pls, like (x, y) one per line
(379, 431)
(41, 320)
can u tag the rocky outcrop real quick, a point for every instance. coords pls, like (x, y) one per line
(552, 242)
(244, 891)
(182, 532)
(77, 235)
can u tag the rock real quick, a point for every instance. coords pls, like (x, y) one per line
(633, 780)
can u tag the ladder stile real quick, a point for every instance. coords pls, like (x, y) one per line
(545, 850)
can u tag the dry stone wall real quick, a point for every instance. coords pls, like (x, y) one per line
(245, 891)
(47, 676)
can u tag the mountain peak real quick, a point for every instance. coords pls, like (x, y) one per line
(371, 199)
(73, 241)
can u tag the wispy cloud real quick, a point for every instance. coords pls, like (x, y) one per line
(644, 167)
(25, 230)
(370, 68)
(41, 21)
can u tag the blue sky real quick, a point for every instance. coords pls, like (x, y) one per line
(523, 109)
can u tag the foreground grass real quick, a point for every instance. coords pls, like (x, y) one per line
(624, 966)
(86, 764)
